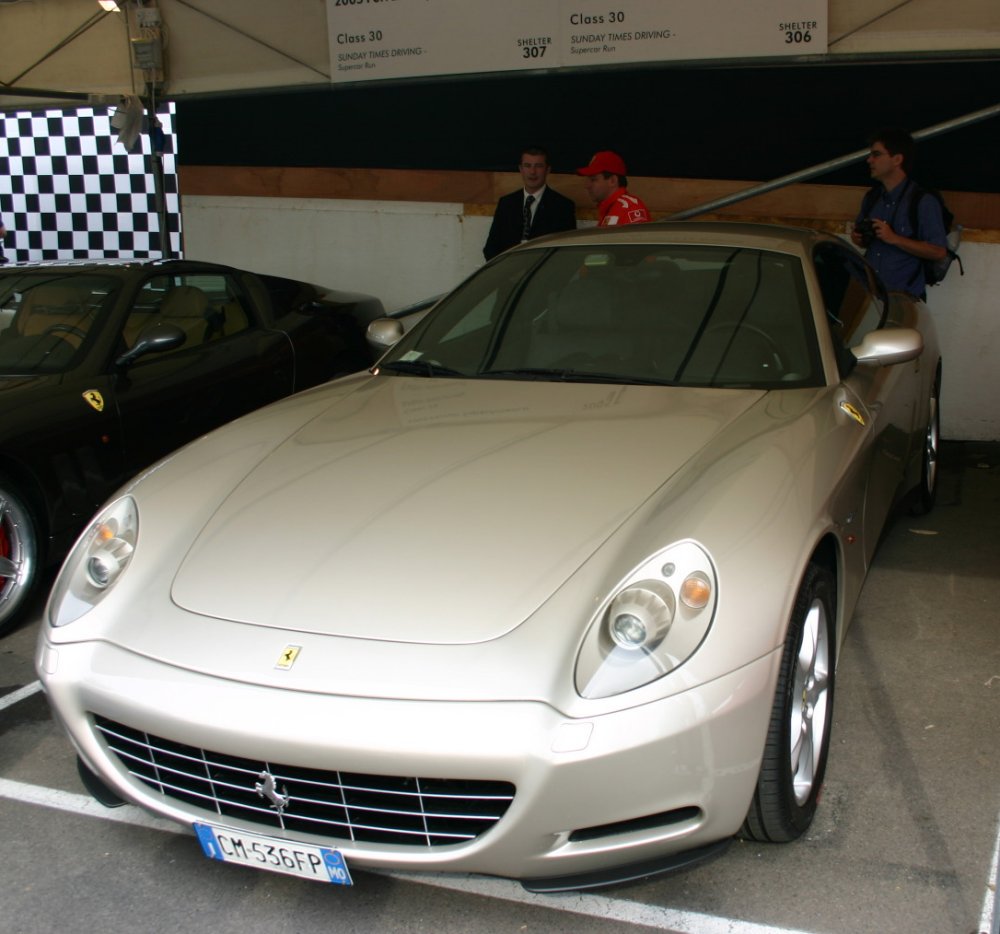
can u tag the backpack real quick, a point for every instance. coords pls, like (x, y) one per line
(934, 269)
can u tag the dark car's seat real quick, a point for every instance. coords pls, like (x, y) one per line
(54, 309)
(186, 306)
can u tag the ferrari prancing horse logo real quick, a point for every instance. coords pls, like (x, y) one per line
(849, 409)
(94, 399)
(287, 657)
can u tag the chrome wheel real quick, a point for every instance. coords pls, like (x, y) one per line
(798, 737)
(931, 448)
(18, 556)
(926, 492)
(809, 708)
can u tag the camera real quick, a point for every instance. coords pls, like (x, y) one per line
(866, 228)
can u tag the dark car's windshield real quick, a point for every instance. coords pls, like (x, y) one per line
(690, 315)
(46, 318)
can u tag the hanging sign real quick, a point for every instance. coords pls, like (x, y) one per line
(372, 39)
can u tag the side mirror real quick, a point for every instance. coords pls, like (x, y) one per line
(888, 346)
(384, 332)
(155, 339)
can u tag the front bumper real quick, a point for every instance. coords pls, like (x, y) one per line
(632, 787)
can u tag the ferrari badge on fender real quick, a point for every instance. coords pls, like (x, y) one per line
(849, 409)
(94, 399)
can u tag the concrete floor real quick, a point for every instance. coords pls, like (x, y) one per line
(905, 838)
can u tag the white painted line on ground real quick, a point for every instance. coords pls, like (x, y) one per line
(82, 805)
(592, 906)
(989, 922)
(20, 694)
(597, 906)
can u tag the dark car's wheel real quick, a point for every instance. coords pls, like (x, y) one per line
(798, 735)
(18, 555)
(926, 493)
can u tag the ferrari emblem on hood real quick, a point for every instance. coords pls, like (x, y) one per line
(287, 657)
(94, 399)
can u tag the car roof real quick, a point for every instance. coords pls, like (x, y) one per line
(775, 237)
(96, 265)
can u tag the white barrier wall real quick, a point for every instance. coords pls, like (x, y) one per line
(406, 251)
(400, 251)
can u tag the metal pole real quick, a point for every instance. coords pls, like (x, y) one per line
(156, 141)
(823, 167)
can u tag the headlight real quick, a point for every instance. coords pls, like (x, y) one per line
(651, 624)
(96, 562)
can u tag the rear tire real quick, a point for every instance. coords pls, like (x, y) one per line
(926, 492)
(798, 736)
(18, 556)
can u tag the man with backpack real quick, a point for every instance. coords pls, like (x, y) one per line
(900, 226)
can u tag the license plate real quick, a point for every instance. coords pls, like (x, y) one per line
(274, 855)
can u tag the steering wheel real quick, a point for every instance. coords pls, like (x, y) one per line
(666, 345)
(773, 353)
(64, 329)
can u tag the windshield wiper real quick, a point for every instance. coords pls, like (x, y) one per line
(418, 368)
(573, 376)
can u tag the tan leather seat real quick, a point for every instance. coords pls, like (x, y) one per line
(56, 309)
(186, 306)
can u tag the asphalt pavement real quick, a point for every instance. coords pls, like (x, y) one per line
(905, 839)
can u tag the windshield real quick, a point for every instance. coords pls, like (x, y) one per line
(687, 315)
(46, 318)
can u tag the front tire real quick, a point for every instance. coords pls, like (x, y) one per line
(798, 736)
(18, 556)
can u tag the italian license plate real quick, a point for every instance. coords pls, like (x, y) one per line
(275, 855)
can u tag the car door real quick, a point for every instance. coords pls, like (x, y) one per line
(229, 364)
(857, 304)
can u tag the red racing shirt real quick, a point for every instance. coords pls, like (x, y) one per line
(621, 208)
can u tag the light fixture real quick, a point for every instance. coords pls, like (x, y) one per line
(109, 6)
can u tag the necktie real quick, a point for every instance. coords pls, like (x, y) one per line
(526, 225)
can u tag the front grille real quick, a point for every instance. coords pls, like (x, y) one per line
(422, 812)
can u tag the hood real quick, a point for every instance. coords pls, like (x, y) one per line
(12, 383)
(440, 511)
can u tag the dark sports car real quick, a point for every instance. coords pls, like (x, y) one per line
(104, 368)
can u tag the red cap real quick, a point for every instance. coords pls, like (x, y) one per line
(605, 161)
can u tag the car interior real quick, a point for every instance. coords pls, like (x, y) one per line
(687, 315)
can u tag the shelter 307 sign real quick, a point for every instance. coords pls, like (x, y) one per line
(372, 39)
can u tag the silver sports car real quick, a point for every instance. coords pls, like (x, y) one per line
(554, 592)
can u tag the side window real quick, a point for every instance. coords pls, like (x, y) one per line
(205, 306)
(854, 303)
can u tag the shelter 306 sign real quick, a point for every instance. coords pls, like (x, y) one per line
(372, 39)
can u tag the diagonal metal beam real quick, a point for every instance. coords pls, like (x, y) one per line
(823, 167)
(246, 35)
(75, 34)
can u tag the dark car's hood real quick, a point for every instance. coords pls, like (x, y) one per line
(10, 383)
(463, 503)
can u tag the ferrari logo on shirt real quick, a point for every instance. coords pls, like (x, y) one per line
(849, 409)
(287, 657)
(94, 399)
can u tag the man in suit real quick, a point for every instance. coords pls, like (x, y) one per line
(531, 212)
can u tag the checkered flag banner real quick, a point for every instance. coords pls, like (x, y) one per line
(70, 190)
